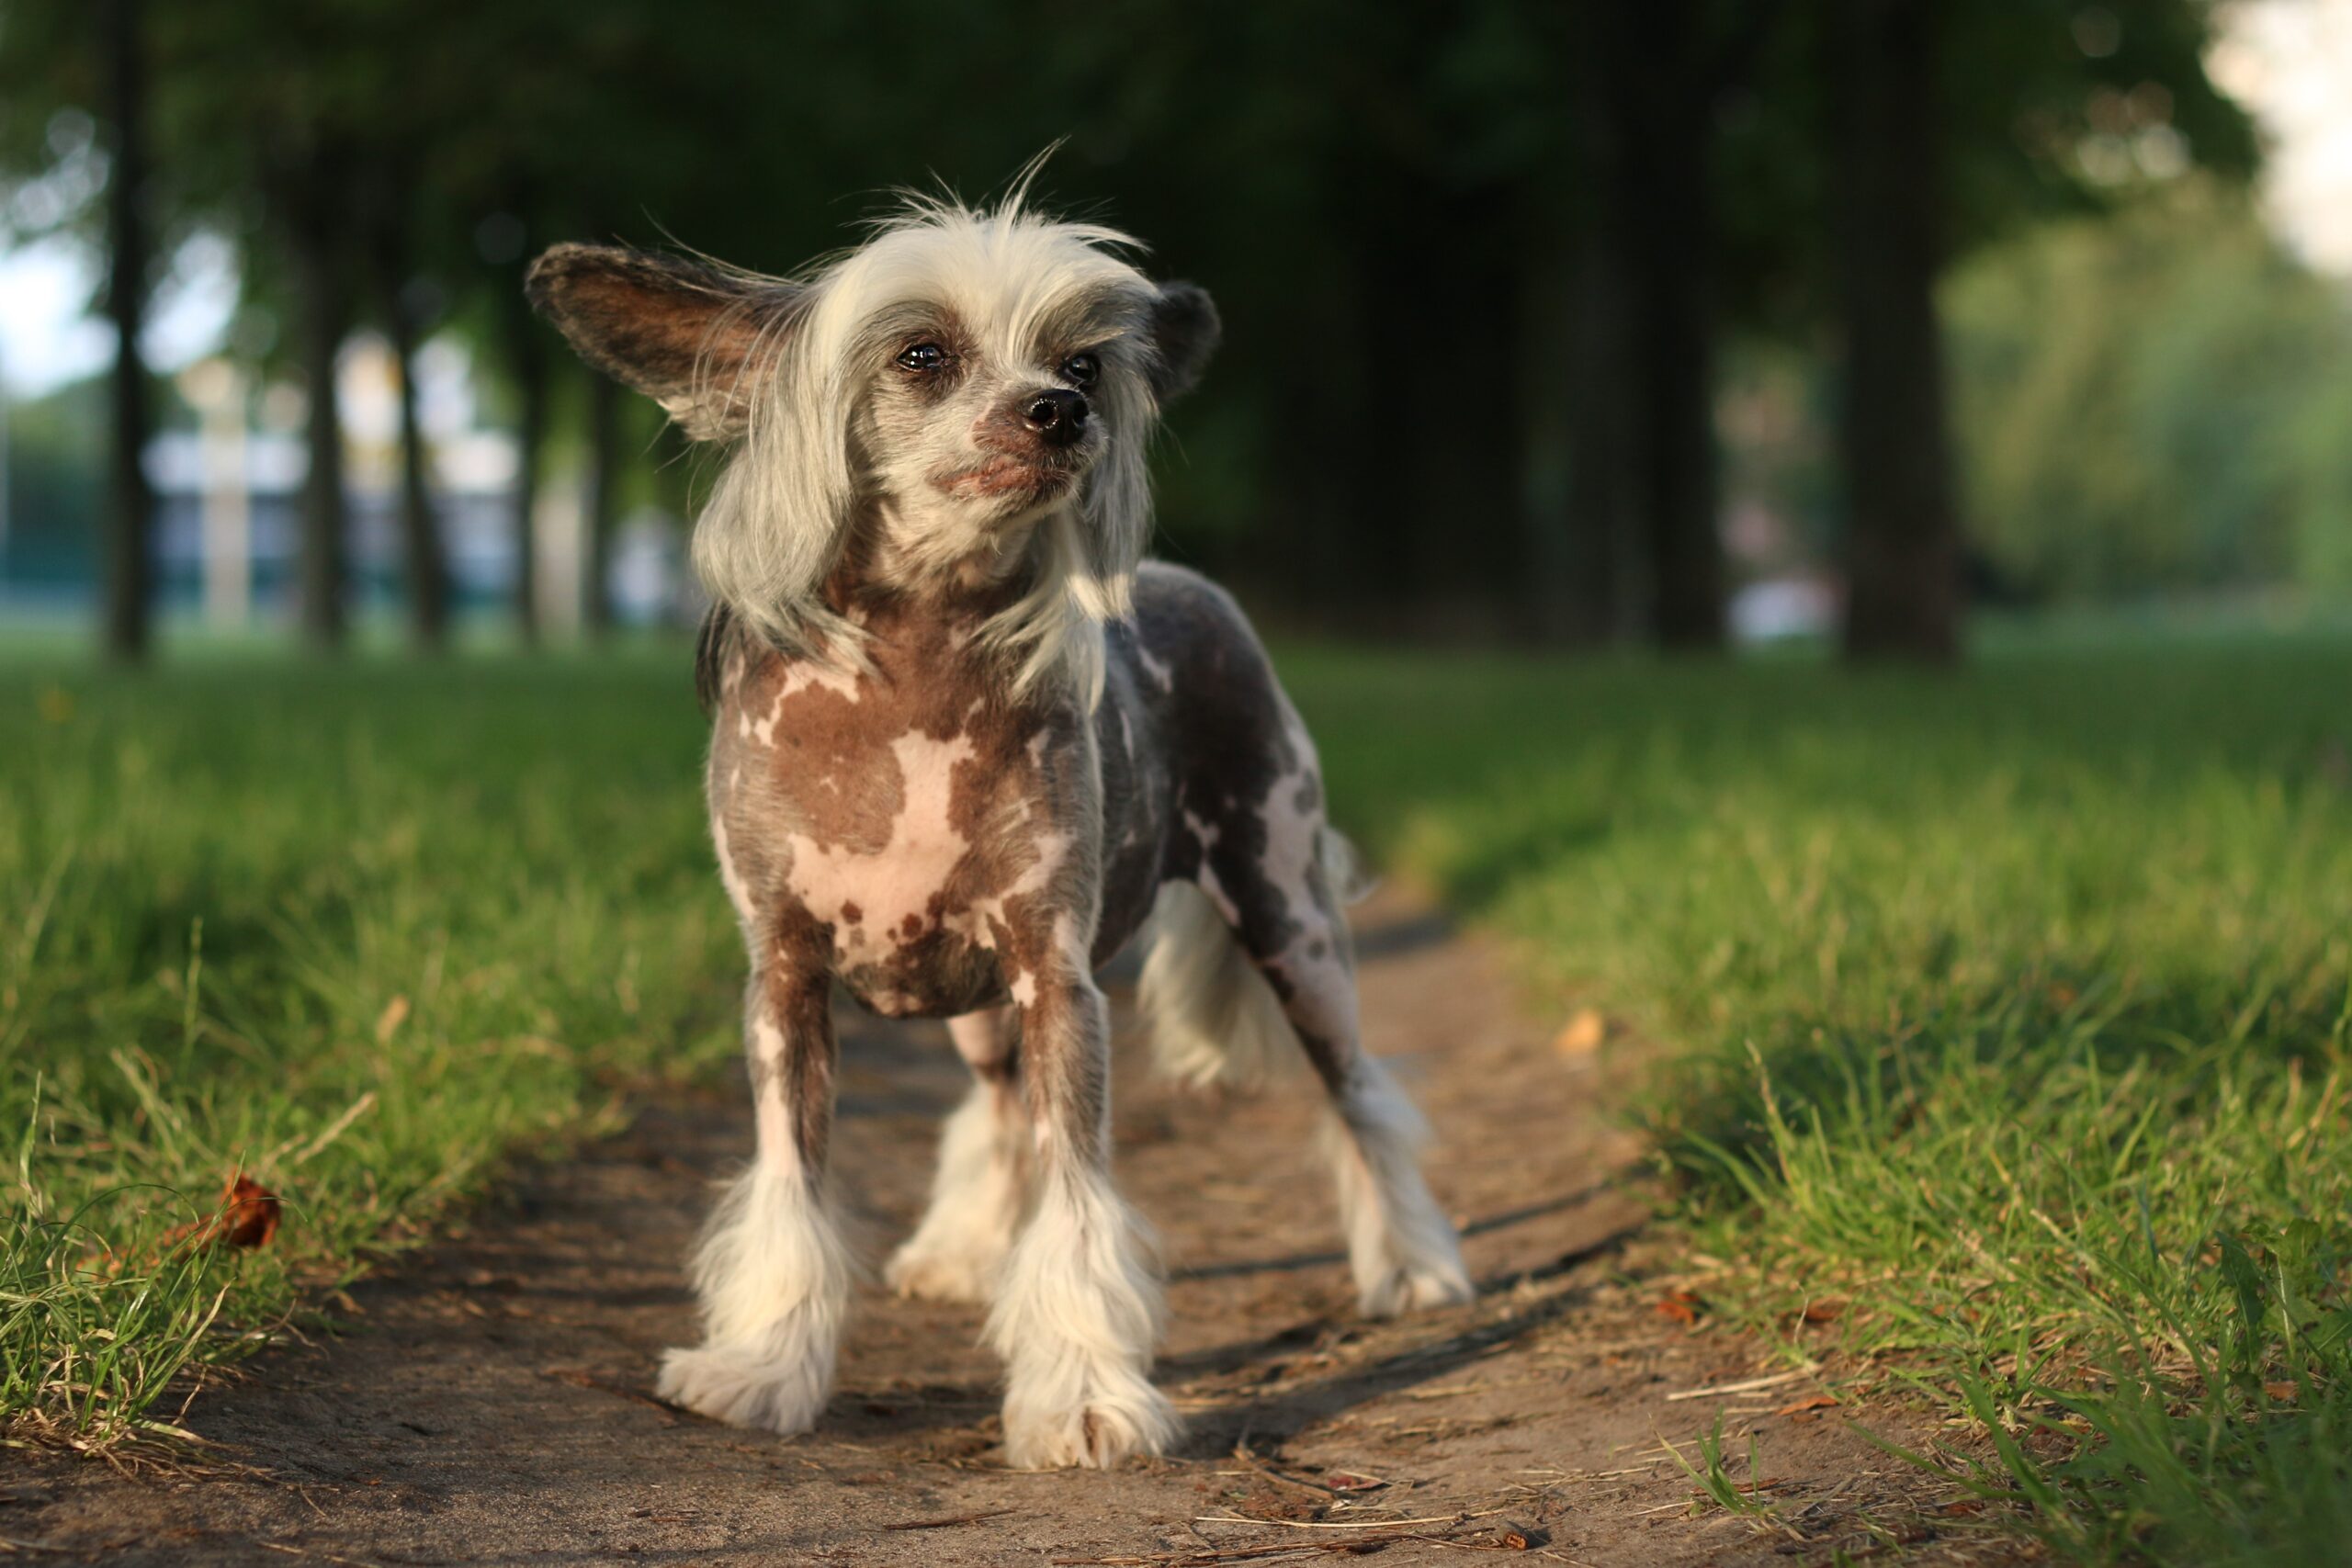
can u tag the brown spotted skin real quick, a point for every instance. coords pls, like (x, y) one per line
(941, 848)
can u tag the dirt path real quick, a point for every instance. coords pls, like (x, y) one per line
(494, 1403)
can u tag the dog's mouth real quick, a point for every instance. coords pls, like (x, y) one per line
(1006, 478)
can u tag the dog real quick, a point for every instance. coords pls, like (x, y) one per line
(966, 743)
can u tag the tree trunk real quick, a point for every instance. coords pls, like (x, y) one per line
(1569, 585)
(1463, 431)
(1587, 571)
(1664, 211)
(1381, 538)
(129, 501)
(1902, 557)
(428, 572)
(325, 319)
(604, 502)
(526, 361)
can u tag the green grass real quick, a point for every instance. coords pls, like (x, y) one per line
(360, 932)
(2009, 1010)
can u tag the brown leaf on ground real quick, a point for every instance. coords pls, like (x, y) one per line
(2279, 1390)
(1582, 1035)
(248, 1218)
(1825, 1312)
(1681, 1306)
(249, 1214)
(1819, 1401)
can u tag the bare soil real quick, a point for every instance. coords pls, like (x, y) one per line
(491, 1402)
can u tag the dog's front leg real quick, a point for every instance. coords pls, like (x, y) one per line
(772, 1270)
(1078, 1312)
(957, 1251)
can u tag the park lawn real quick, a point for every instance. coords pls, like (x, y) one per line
(2007, 1012)
(2009, 1015)
(362, 933)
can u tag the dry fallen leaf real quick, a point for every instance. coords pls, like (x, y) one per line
(1582, 1035)
(2279, 1390)
(247, 1219)
(395, 1013)
(1819, 1401)
(249, 1214)
(1824, 1311)
(1681, 1306)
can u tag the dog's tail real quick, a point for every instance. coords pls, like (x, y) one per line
(1212, 1016)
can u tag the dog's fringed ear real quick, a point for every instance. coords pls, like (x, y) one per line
(1184, 330)
(693, 338)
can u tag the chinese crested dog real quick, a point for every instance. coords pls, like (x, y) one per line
(966, 743)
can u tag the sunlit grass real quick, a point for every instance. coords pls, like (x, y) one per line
(2006, 1012)
(360, 932)
(2009, 1013)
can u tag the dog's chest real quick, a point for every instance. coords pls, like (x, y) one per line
(909, 820)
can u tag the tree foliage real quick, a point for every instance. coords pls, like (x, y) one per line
(1455, 258)
(2155, 401)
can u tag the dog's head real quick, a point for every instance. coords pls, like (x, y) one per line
(976, 387)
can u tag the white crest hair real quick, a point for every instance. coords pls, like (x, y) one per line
(781, 512)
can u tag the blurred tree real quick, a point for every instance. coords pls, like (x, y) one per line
(2154, 402)
(130, 502)
(1474, 261)
(63, 71)
(1655, 80)
(2322, 479)
(263, 112)
(1903, 565)
(1952, 123)
(304, 196)
(402, 306)
(603, 502)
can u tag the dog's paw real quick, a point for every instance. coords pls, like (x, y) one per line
(732, 1384)
(1119, 1418)
(1415, 1288)
(943, 1274)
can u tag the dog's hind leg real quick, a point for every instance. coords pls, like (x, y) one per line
(956, 1252)
(1079, 1311)
(1401, 1248)
(772, 1270)
(1278, 872)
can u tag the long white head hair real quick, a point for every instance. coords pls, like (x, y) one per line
(785, 370)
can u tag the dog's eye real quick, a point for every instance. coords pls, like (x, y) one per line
(1081, 369)
(923, 358)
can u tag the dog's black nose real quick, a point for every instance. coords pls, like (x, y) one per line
(1057, 416)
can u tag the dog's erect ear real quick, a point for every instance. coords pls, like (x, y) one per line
(1184, 329)
(693, 338)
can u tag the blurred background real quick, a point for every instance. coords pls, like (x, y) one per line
(1582, 325)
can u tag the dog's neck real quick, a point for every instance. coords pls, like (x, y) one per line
(883, 559)
(918, 600)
